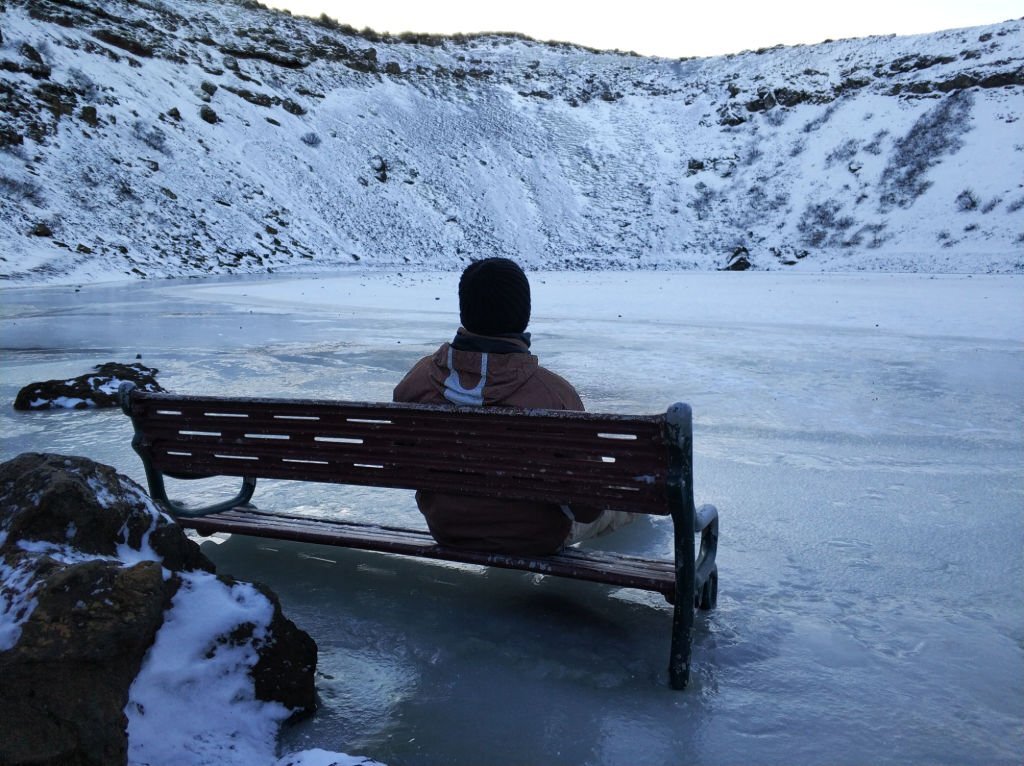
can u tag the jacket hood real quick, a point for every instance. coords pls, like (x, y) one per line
(479, 378)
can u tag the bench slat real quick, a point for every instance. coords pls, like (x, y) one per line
(533, 464)
(484, 447)
(485, 443)
(320, 418)
(487, 448)
(549, 489)
(594, 566)
(377, 412)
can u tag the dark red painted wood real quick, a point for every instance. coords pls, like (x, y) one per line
(613, 461)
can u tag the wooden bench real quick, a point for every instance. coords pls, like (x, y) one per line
(641, 464)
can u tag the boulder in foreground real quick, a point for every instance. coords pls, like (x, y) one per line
(92, 575)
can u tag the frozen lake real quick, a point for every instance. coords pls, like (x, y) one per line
(861, 435)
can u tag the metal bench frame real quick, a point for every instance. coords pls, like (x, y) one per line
(641, 464)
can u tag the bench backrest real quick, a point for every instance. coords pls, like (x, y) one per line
(622, 462)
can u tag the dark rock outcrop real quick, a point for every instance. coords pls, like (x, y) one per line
(94, 389)
(63, 523)
(89, 507)
(208, 114)
(66, 681)
(284, 672)
(739, 260)
(89, 567)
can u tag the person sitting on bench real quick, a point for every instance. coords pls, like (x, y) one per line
(489, 364)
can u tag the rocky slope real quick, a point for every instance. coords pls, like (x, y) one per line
(191, 137)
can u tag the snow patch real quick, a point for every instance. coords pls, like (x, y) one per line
(125, 552)
(193, 701)
(63, 402)
(16, 600)
(63, 554)
(103, 495)
(110, 387)
(318, 757)
(132, 556)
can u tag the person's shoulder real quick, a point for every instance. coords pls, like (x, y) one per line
(552, 378)
(560, 390)
(416, 385)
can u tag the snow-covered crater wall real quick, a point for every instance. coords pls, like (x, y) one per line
(189, 137)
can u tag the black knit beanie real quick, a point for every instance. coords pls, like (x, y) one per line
(494, 297)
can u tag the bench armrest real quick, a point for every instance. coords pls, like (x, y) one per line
(706, 524)
(155, 477)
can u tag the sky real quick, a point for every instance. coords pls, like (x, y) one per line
(670, 28)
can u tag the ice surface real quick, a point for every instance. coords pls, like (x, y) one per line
(859, 433)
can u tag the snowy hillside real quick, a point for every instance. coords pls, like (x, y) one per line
(190, 137)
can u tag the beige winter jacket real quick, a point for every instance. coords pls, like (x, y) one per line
(450, 376)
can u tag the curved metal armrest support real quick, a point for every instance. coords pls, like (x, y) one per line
(177, 509)
(155, 477)
(124, 397)
(706, 523)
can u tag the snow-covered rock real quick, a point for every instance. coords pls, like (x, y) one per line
(118, 643)
(93, 389)
(193, 137)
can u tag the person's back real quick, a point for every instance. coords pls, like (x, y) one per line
(489, 364)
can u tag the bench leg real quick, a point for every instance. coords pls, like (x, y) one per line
(679, 422)
(683, 520)
(682, 638)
